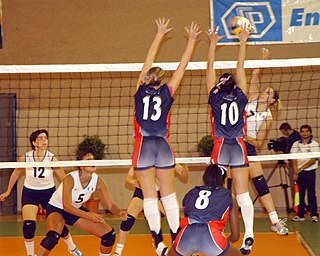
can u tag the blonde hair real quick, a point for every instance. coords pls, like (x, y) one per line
(154, 76)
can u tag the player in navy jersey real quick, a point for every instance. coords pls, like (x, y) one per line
(136, 204)
(227, 101)
(65, 207)
(206, 210)
(37, 189)
(153, 157)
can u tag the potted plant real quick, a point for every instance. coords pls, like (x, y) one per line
(94, 145)
(205, 145)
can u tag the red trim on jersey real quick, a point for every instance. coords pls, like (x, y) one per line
(218, 238)
(244, 129)
(218, 142)
(184, 222)
(137, 127)
(212, 126)
(136, 151)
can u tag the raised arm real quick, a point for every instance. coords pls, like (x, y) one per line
(211, 73)
(163, 29)
(16, 174)
(241, 74)
(59, 171)
(193, 33)
(255, 81)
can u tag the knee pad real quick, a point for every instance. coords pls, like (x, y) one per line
(261, 185)
(152, 214)
(51, 240)
(244, 199)
(170, 202)
(128, 224)
(65, 231)
(29, 229)
(108, 239)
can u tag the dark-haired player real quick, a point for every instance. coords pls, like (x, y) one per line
(227, 101)
(153, 157)
(206, 210)
(37, 189)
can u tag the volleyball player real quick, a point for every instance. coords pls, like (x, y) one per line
(65, 207)
(227, 101)
(206, 210)
(153, 157)
(37, 189)
(259, 118)
(136, 204)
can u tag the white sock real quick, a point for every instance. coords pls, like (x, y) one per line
(119, 248)
(29, 247)
(69, 242)
(247, 211)
(105, 254)
(152, 214)
(274, 217)
(171, 207)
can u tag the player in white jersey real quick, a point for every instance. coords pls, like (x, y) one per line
(38, 188)
(259, 118)
(65, 207)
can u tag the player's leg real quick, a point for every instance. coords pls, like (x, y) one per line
(134, 209)
(55, 223)
(260, 183)
(240, 182)
(29, 216)
(67, 238)
(101, 230)
(165, 163)
(233, 251)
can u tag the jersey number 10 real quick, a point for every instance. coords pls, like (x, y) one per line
(233, 113)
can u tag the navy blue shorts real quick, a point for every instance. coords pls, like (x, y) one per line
(202, 238)
(229, 152)
(138, 193)
(152, 152)
(69, 218)
(36, 197)
(251, 150)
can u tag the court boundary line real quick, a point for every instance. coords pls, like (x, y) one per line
(304, 243)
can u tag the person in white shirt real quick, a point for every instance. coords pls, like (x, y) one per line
(37, 189)
(305, 173)
(65, 207)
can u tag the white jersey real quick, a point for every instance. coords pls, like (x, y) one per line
(39, 178)
(255, 118)
(299, 147)
(79, 194)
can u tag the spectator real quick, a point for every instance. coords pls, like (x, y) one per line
(292, 136)
(305, 173)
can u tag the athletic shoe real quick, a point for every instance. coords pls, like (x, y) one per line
(297, 218)
(280, 227)
(162, 249)
(247, 245)
(314, 219)
(76, 252)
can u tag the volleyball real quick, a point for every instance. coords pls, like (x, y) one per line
(240, 23)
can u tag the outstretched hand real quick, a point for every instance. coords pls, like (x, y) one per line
(213, 35)
(194, 30)
(162, 24)
(243, 35)
(3, 196)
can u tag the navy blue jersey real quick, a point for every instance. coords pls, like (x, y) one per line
(152, 111)
(228, 115)
(203, 204)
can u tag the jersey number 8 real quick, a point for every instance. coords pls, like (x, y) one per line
(202, 201)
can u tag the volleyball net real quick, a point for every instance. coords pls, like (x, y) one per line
(73, 101)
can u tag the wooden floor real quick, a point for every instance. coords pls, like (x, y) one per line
(302, 240)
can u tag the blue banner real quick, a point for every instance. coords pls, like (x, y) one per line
(273, 21)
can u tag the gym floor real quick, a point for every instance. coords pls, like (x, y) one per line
(303, 239)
